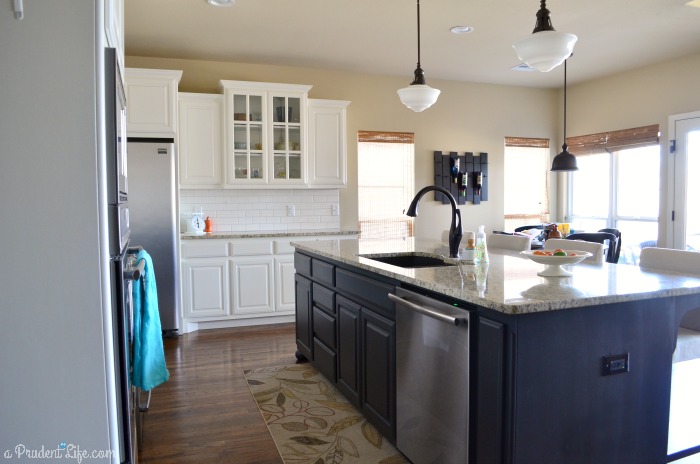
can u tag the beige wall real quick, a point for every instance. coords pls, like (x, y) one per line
(467, 117)
(648, 95)
(471, 117)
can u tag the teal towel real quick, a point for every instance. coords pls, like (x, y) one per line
(148, 368)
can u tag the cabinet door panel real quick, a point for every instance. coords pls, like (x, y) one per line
(284, 283)
(252, 286)
(303, 316)
(490, 385)
(327, 143)
(151, 102)
(378, 375)
(200, 139)
(348, 316)
(205, 288)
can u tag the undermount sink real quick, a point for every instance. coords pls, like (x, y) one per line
(411, 260)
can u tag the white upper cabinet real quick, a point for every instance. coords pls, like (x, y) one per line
(265, 134)
(151, 102)
(200, 139)
(327, 143)
(260, 135)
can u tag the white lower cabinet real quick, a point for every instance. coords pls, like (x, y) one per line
(239, 281)
(284, 277)
(205, 287)
(252, 285)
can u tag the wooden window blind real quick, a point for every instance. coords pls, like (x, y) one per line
(636, 137)
(526, 142)
(385, 137)
(385, 166)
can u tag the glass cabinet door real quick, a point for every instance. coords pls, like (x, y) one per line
(248, 139)
(287, 138)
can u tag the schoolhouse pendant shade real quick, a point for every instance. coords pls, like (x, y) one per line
(545, 48)
(418, 96)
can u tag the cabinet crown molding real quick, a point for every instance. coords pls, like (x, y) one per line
(267, 86)
(154, 73)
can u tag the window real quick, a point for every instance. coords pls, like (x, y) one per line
(526, 176)
(617, 186)
(385, 183)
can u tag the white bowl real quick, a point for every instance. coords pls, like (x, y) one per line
(554, 263)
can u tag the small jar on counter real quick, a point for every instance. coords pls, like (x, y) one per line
(468, 254)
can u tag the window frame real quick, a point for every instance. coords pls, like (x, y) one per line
(404, 223)
(611, 144)
(545, 213)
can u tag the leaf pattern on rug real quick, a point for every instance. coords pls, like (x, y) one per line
(372, 434)
(312, 423)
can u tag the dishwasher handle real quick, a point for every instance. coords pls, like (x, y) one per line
(429, 311)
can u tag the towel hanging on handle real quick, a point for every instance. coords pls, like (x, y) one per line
(148, 368)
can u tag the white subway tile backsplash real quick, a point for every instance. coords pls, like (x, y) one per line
(261, 210)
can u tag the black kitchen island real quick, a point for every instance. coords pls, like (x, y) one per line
(561, 370)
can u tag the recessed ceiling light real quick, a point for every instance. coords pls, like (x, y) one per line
(522, 67)
(693, 3)
(220, 2)
(461, 29)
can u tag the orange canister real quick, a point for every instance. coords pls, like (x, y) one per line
(208, 226)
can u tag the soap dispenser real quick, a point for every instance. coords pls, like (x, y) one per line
(481, 254)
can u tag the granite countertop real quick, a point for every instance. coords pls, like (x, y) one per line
(266, 234)
(509, 283)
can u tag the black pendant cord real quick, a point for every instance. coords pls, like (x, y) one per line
(565, 145)
(418, 16)
(418, 74)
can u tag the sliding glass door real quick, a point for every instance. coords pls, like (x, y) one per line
(685, 130)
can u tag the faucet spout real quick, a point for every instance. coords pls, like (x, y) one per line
(455, 234)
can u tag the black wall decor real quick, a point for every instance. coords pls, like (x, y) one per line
(460, 175)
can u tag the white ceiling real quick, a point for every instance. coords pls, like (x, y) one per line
(379, 36)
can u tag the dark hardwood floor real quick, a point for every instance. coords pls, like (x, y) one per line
(205, 413)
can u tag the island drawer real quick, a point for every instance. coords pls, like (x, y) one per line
(302, 264)
(324, 327)
(323, 272)
(324, 360)
(363, 287)
(324, 298)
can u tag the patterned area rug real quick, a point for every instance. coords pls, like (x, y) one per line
(311, 422)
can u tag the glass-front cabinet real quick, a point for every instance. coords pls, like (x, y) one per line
(287, 137)
(247, 161)
(265, 134)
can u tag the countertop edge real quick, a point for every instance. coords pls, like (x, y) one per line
(511, 309)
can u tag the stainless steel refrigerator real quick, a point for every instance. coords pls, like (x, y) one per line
(153, 218)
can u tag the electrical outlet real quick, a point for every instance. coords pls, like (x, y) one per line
(291, 210)
(334, 210)
(616, 364)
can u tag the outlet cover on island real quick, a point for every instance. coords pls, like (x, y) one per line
(291, 210)
(334, 210)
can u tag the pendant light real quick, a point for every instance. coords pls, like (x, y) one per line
(564, 161)
(418, 96)
(545, 48)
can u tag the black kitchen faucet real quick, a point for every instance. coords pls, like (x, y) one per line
(455, 235)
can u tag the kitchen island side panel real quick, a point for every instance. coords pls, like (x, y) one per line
(568, 410)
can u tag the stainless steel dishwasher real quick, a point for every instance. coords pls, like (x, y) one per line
(432, 379)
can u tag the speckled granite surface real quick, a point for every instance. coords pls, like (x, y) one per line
(266, 234)
(510, 283)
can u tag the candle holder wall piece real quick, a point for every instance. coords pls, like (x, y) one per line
(462, 181)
